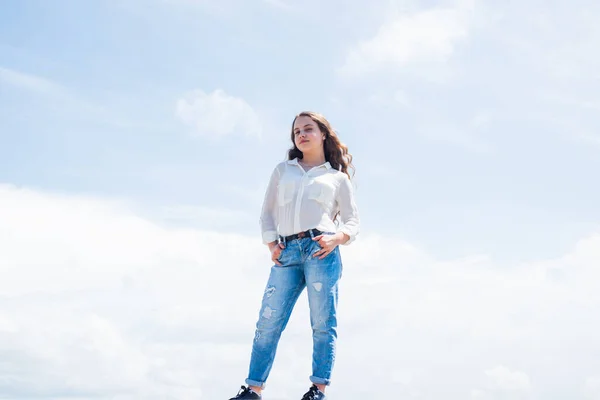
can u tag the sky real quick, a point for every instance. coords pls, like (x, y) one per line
(136, 142)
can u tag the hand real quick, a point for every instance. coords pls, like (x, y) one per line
(328, 243)
(275, 249)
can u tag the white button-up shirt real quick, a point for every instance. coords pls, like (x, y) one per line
(297, 200)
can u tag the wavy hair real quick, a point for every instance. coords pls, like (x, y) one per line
(335, 151)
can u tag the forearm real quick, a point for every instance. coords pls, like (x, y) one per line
(268, 223)
(341, 237)
(348, 212)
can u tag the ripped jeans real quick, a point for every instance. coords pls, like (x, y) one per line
(298, 270)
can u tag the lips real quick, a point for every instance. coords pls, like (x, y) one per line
(304, 141)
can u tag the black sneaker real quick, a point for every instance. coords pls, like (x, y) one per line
(246, 393)
(313, 394)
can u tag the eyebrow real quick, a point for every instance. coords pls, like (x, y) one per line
(303, 127)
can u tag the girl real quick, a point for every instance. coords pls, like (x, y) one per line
(304, 197)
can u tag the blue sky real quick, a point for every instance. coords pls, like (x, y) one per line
(481, 142)
(474, 126)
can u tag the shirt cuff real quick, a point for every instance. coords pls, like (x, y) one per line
(350, 234)
(269, 236)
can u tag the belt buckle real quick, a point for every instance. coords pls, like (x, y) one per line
(301, 235)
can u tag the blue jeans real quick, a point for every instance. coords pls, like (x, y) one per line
(298, 270)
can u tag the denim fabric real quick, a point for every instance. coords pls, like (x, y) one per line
(299, 270)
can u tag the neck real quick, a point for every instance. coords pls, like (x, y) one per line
(313, 158)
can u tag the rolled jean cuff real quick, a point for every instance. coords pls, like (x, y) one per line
(320, 381)
(255, 383)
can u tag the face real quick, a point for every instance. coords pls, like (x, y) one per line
(307, 135)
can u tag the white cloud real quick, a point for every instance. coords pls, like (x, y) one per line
(420, 37)
(507, 380)
(214, 218)
(90, 289)
(504, 383)
(592, 388)
(218, 113)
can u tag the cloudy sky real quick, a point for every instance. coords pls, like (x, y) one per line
(136, 140)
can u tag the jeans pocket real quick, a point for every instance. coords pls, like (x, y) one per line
(282, 257)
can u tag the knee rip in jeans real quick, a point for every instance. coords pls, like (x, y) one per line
(268, 312)
(270, 291)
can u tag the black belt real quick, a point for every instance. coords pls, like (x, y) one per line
(300, 235)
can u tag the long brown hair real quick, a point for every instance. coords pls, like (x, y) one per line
(335, 151)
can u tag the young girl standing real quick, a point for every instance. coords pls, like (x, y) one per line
(304, 197)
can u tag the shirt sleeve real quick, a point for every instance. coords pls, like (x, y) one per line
(268, 221)
(348, 210)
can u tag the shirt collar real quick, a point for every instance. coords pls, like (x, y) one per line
(325, 165)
